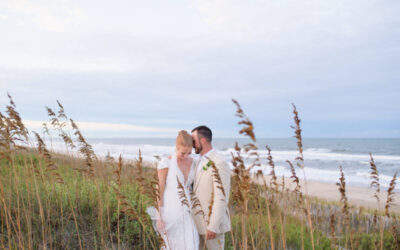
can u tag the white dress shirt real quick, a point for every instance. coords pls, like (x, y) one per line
(202, 158)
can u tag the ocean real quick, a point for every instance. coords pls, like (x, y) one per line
(322, 156)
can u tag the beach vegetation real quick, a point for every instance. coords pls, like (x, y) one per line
(79, 200)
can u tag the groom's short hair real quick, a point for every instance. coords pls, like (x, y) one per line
(203, 132)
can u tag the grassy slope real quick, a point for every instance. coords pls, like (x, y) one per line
(84, 212)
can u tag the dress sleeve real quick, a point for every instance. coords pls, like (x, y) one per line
(163, 163)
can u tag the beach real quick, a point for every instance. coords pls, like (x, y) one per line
(322, 160)
(357, 196)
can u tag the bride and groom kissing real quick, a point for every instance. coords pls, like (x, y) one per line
(194, 194)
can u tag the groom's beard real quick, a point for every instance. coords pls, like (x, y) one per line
(197, 150)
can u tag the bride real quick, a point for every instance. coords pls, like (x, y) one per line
(176, 224)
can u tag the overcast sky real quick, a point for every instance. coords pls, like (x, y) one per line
(148, 68)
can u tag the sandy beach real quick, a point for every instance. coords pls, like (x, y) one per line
(357, 196)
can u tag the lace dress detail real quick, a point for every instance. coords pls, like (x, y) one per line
(181, 232)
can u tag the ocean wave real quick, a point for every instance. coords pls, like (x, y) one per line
(367, 175)
(312, 154)
(321, 154)
(317, 150)
(320, 170)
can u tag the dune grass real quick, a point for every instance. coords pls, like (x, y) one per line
(79, 201)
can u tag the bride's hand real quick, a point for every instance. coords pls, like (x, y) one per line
(160, 225)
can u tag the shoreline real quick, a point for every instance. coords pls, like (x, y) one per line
(356, 196)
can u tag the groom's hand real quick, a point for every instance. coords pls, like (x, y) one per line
(210, 235)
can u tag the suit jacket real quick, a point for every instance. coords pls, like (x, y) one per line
(204, 186)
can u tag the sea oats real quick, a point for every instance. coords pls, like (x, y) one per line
(390, 194)
(375, 178)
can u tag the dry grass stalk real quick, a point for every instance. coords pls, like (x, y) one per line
(16, 119)
(182, 193)
(300, 163)
(342, 189)
(396, 234)
(45, 129)
(248, 128)
(345, 206)
(210, 206)
(375, 218)
(374, 175)
(109, 159)
(274, 185)
(297, 128)
(241, 175)
(55, 121)
(296, 180)
(154, 194)
(55, 118)
(267, 202)
(86, 150)
(332, 223)
(126, 207)
(118, 171)
(41, 210)
(273, 181)
(36, 171)
(241, 190)
(12, 130)
(50, 165)
(139, 176)
(390, 193)
(81, 246)
(154, 190)
(217, 178)
(196, 204)
(375, 178)
(52, 115)
(67, 139)
(5, 209)
(283, 233)
(61, 112)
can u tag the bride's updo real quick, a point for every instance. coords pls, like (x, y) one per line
(184, 139)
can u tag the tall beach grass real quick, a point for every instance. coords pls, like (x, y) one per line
(79, 200)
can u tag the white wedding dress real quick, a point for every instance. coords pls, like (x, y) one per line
(180, 229)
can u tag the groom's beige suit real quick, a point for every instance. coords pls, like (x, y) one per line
(203, 188)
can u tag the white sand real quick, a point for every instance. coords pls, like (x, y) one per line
(357, 196)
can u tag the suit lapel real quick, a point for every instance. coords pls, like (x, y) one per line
(202, 171)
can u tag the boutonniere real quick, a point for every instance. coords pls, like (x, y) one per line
(205, 167)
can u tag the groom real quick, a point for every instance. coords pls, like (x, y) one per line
(211, 227)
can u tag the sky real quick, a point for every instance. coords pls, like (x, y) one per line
(150, 68)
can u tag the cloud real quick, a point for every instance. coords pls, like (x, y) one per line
(3, 17)
(175, 121)
(299, 23)
(65, 65)
(96, 126)
(159, 61)
(53, 16)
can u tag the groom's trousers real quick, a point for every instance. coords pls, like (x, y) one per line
(215, 244)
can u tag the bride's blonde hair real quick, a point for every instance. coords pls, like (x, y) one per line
(184, 139)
